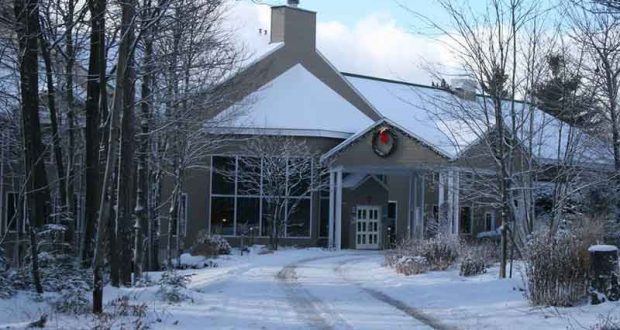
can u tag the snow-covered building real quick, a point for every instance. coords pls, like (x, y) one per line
(393, 161)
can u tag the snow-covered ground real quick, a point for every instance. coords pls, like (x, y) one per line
(314, 288)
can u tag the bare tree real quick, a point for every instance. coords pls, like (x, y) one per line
(487, 48)
(280, 170)
(96, 103)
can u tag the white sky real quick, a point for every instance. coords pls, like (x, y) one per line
(373, 44)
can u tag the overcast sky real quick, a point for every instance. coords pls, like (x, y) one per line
(370, 37)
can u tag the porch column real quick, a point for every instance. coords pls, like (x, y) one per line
(338, 218)
(411, 206)
(330, 242)
(440, 189)
(457, 208)
(420, 206)
(453, 200)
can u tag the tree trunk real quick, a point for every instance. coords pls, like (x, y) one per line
(123, 101)
(37, 193)
(95, 89)
(70, 53)
(56, 143)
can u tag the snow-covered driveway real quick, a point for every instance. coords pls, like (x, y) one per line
(303, 290)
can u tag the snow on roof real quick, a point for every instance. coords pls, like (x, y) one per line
(295, 100)
(400, 103)
(429, 113)
(602, 248)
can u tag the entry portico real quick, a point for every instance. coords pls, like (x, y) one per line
(408, 160)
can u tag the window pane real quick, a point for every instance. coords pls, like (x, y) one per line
(274, 176)
(223, 175)
(222, 215)
(247, 215)
(269, 206)
(11, 216)
(298, 224)
(248, 178)
(465, 220)
(299, 176)
(391, 213)
(324, 217)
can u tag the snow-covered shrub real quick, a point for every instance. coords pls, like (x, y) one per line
(172, 285)
(418, 256)
(440, 251)
(557, 268)
(4, 264)
(473, 264)
(408, 265)
(607, 322)
(208, 245)
(72, 301)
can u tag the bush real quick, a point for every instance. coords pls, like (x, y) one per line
(210, 246)
(473, 264)
(408, 265)
(557, 268)
(441, 251)
(172, 285)
(418, 256)
(72, 301)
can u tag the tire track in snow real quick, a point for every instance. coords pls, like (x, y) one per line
(415, 313)
(314, 311)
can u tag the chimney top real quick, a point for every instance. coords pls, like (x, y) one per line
(294, 26)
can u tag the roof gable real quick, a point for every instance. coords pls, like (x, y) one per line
(295, 100)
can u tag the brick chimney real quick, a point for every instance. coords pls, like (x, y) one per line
(294, 26)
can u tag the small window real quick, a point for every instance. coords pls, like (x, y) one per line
(392, 208)
(436, 212)
(11, 216)
(465, 221)
(489, 221)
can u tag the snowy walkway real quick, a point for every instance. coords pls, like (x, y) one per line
(318, 289)
(295, 292)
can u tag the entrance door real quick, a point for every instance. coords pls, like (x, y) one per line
(367, 226)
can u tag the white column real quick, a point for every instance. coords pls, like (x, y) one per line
(330, 243)
(338, 209)
(411, 206)
(441, 193)
(457, 209)
(421, 205)
(450, 201)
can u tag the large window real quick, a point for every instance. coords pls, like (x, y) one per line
(242, 197)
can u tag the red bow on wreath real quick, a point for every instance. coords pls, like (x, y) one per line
(384, 137)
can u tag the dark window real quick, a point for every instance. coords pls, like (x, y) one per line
(391, 212)
(269, 217)
(248, 179)
(248, 212)
(324, 217)
(222, 215)
(299, 176)
(11, 216)
(298, 224)
(488, 222)
(223, 175)
(465, 223)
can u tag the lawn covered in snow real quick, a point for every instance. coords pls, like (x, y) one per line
(314, 288)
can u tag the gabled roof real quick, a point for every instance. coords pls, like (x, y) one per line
(295, 100)
(430, 113)
(383, 121)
